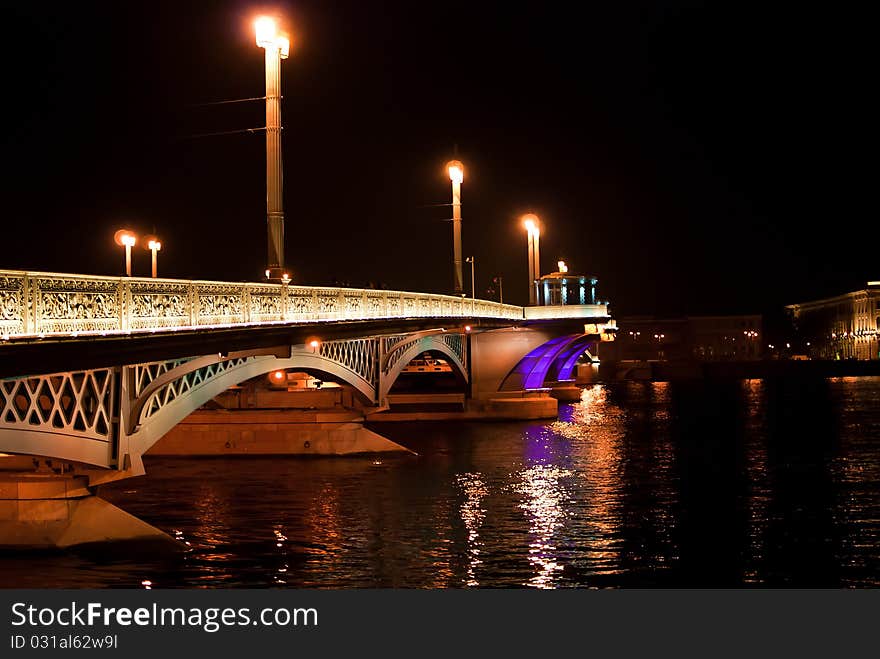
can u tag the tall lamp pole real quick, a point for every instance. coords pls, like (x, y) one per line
(277, 47)
(127, 239)
(154, 246)
(530, 221)
(456, 175)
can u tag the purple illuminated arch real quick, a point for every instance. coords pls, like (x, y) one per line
(556, 357)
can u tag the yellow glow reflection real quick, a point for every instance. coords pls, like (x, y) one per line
(472, 514)
(758, 493)
(596, 431)
(545, 498)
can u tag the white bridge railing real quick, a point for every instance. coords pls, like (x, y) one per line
(44, 303)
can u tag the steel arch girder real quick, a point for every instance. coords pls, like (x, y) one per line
(431, 343)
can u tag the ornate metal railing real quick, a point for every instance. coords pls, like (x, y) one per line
(43, 303)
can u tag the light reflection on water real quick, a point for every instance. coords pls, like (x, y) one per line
(472, 514)
(637, 484)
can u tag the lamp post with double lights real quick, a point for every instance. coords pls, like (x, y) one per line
(153, 244)
(126, 239)
(532, 225)
(277, 48)
(456, 176)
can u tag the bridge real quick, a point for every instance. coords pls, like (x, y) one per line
(95, 370)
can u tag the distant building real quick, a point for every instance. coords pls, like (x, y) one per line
(701, 338)
(842, 327)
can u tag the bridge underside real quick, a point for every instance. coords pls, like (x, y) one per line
(98, 417)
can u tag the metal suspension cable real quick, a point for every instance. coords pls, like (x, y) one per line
(224, 132)
(236, 100)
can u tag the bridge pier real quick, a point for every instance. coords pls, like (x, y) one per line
(495, 386)
(47, 510)
(566, 392)
(273, 432)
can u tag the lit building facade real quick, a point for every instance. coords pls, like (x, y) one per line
(843, 327)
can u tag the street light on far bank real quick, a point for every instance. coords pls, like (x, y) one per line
(127, 239)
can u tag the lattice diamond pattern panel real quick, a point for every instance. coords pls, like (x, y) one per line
(358, 355)
(186, 383)
(399, 350)
(456, 343)
(78, 403)
(144, 374)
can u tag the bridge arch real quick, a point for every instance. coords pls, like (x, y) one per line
(553, 360)
(397, 357)
(180, 391)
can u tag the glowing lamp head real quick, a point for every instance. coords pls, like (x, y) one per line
(562, 267)
(283, 44)
(278, 376)
(314, 343)
(125, 238)
(266, 31)
(456, 171)
(154, 245)
(530, 222)
(467, 328)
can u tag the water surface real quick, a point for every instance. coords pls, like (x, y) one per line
(772, 483)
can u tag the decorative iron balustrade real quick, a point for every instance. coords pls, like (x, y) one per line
(43, 303)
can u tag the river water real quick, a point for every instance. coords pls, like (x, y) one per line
(768, 483)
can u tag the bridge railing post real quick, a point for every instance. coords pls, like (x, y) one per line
(25, 305)
(123, 301)
(246, 304)
(193, 296)
(285, 302)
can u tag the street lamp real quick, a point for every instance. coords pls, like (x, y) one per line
(531, 223)
(277, 47)
(127, 239)
(456, 175)
(154, 245)
(470, 260)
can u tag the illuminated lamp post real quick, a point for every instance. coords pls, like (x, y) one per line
(277, 47)
(456, 175)
(154, 245)
(127, 239)
(531, 221)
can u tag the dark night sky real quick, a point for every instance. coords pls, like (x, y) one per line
(696, 157)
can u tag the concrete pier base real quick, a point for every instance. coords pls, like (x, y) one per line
(567, 392)
(506, 406)
(273, 432)
(587, 373)
(46, 511)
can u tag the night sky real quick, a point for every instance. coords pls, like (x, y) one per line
(696, 157)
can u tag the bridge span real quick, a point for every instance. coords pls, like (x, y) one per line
(95, 370)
